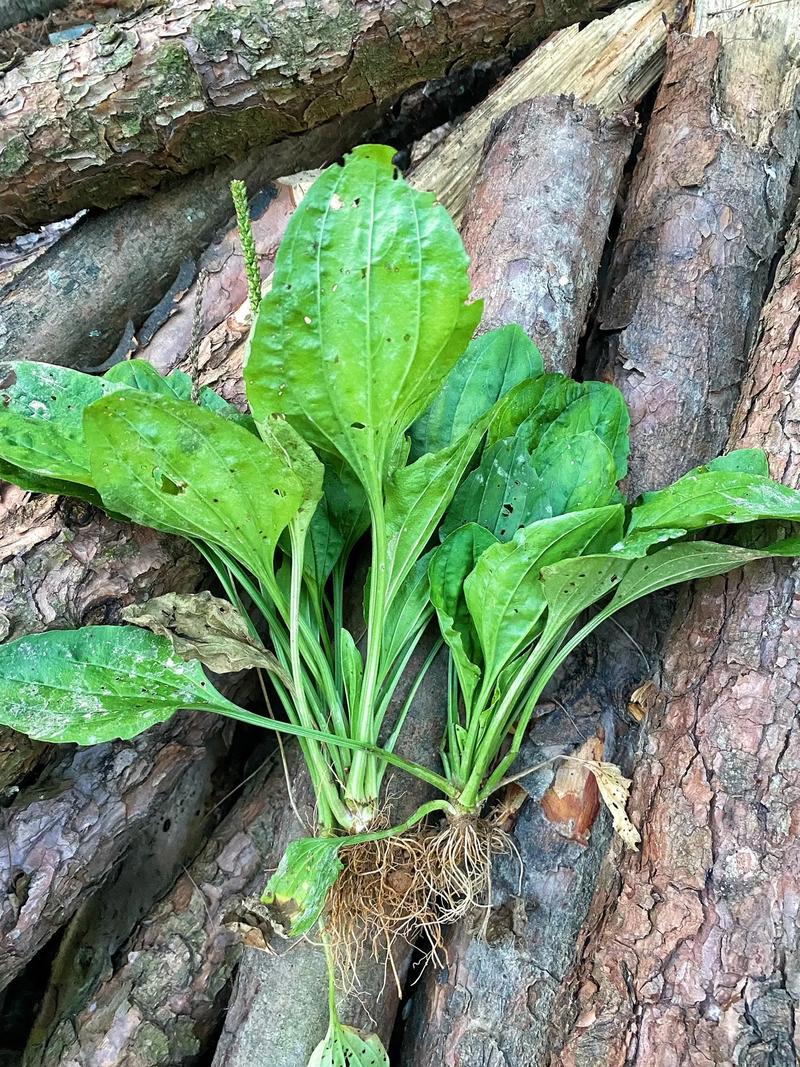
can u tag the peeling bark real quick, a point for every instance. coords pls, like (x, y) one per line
(690, 952)
(538, 216)
(73, 305)
(109, 116)
(701, 227)
(64, 835)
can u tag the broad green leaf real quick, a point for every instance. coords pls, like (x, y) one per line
(141, 375)
(408, 613)
(324, 545)
(504, 592)
(714, 498)
(345, 1046)
(450, 564)
(41, 420)
(284, 441)
(170, 465)
(492, 365)
(352, 667)
(600, 409)
(576, 472)
(297, 891)
(573, 585)
(346, 503)
(530, 407)
(502, 494)
(205, 627)
(37, 483)
(96, 684)
(415, 500)
(366, 316)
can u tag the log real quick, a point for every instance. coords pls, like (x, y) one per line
(701, 227)
(689, 954)
(64, 835)
(76, 302)
(538, 217)
(161, 998)
(109, 116)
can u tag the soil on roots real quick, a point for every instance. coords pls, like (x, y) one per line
(392, 890)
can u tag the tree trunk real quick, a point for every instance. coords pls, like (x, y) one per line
(690, 952)
(701, 227)
(110, 115)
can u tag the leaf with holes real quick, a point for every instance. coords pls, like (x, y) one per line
(296, 893)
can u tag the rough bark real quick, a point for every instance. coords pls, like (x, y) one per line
(109, 116)
(537, 219)
(100, 282)
(64, 835)
(161, 997)
(690, 954)
(701, 228)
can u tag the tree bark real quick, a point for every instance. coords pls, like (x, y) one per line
(538, 216)
(109, 116)
(701, 227)
(690, 952)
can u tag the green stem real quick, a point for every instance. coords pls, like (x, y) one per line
(380, 835)
(362, 785)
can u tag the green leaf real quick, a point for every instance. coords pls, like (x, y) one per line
(37, 483)
(573, 585)
(416, 498)
(96, 684)
(529, 408)
(205, 627)
(688, 561)
(41, 421)
(284, 441)
(345, 1046)
(170, 465)
(599, 409)
(297, 891)
(450, 564)
(575, 471)
(713, 498)
(504, 593)
(141, 375)
(749, 460)
(352, 667)
(492, 365)
(502, 494)
(366, 316)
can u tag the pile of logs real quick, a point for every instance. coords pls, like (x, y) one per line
(626, 195)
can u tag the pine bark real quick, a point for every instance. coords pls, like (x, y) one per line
(108, 117)
(13, 12)
(701, 228)
(690, 951)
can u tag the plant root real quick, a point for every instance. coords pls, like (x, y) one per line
(392, 890)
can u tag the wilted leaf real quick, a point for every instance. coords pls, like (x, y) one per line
(615, 789)
(202, 626)
(297, 891)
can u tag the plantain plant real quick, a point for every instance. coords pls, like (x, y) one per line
(484, 492)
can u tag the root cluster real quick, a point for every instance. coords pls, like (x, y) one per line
(393, 890)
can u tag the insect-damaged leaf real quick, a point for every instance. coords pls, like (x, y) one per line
(296, 893)
(367, 312)
(202, 626)
(715, 497)
(96, 684)
(168, 464)
(492, 365)
(41, 422)
(345, 1046)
